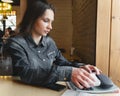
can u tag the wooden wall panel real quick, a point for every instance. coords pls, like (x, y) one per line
(84, 25)
(115, 43)
(103, 35)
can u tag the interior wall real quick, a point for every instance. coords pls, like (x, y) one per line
(84, 25)
(62, 26)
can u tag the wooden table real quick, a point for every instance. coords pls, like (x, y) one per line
(9, 87)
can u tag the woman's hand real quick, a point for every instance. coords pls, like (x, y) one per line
(81, 76)
(91, 68)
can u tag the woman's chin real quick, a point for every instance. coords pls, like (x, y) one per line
(44, 34)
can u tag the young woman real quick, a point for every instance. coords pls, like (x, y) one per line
(35, 56)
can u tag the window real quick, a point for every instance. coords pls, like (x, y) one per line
(9, 22)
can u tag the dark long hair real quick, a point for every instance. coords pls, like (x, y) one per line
(32, 13)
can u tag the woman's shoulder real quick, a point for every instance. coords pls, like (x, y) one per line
(18, 39)
(15, 42)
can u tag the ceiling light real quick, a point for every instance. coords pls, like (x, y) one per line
(7, 1)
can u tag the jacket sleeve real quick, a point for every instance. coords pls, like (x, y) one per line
(64, 67)
(60, 60)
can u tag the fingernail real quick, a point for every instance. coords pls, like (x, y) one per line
(81, 87)
(88, 86)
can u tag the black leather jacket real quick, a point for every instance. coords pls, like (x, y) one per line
(38, 64)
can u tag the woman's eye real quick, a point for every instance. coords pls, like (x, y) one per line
(46, 20)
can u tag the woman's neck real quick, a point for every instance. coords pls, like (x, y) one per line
(36, 38)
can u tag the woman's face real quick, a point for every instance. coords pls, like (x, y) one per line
(43, 24)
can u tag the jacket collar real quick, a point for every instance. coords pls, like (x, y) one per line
(33, 44)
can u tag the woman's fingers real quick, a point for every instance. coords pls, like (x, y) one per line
(87, 79)
(78, 85)
(97, 71)
(82, 78)
(91, 68)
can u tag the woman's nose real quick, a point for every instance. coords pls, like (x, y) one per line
(50, 26)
